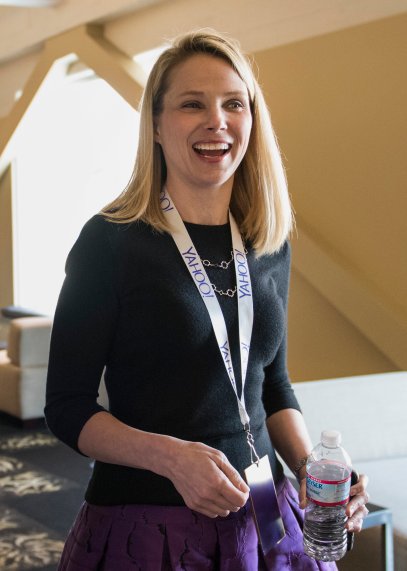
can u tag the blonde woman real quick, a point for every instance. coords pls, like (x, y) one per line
(179, 289)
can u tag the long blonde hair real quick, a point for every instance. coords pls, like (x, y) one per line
(260, 202)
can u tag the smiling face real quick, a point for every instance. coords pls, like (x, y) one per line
(204, 125)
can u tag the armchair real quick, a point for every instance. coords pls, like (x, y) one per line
(23, 368)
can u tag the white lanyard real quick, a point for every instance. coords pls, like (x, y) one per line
(203, 284)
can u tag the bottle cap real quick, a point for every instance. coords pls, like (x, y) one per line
(331, 438)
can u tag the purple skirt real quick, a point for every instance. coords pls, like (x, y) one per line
(166, 538)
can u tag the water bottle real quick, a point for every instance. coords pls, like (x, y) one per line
(328, 484)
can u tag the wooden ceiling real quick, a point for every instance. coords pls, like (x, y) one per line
(258, 25)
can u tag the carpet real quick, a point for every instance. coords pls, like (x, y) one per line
(42, 483)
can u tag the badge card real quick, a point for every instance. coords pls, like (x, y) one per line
(263, 497)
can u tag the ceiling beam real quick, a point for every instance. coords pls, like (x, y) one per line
(119, 70)
(382, 322)
(88, 43)
(23, 29)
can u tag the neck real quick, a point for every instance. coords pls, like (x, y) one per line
(206, 206)
(206, 217)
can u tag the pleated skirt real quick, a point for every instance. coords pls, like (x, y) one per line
(166, 538)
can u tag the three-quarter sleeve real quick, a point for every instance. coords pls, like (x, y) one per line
(82, 334)
(278, 393)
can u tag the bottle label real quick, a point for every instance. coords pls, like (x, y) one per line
(328, 492)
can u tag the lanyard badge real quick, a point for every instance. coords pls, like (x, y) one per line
(270, 529)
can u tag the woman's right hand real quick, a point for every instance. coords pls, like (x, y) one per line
(202, 475)
(206, 480)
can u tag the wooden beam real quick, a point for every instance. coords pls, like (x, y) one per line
(380, 321)
(119, 70)
(10, 123)
(23, 28)
(88, 43)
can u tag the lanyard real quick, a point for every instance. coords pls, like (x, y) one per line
(203, 284)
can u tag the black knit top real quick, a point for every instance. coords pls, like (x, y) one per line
(129, 304)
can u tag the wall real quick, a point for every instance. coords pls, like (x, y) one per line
(6, 239)
(338, 103)
(322, 341)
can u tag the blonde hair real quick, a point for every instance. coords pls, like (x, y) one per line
(260, 202)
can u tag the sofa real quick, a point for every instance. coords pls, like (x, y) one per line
(23, 368)
(12, 312)
(370, 412)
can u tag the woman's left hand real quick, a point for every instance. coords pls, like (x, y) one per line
(355, 510)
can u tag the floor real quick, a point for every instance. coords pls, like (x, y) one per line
(41, 488)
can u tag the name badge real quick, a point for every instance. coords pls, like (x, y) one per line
(265, 508)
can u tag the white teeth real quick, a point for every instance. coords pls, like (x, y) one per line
(211, 146)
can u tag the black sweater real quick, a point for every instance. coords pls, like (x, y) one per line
(129, 304)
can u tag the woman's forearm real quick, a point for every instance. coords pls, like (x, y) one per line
(202, 475)
(107, 439)
(289, 435)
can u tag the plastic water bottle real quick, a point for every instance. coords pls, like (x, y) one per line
(328, 484)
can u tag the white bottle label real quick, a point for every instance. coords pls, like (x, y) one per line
(328, 493)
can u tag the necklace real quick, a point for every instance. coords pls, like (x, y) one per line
(223, 265)
(229, 292)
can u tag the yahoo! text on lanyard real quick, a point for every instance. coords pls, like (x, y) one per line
(203, 284)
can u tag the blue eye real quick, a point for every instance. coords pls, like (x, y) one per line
(192, 105)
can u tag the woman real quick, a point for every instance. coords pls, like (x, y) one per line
(162, 291)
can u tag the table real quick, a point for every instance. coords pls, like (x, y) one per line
(379, 515)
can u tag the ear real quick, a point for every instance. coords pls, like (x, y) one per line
(157, 138)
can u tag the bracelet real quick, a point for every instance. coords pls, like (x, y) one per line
(299, 465)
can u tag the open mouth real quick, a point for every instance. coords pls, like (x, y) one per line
(212, 149)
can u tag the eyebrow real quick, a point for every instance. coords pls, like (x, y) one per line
(227, 93)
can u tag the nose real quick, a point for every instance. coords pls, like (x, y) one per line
(216, 118)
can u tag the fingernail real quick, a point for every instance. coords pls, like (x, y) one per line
(350, 526)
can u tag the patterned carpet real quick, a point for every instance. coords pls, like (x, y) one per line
(42, 484)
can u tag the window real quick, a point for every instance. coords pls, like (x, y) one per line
(75, 153)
